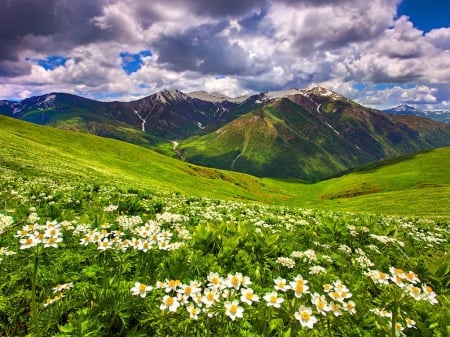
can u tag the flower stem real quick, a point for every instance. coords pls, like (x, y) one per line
(329, 326)
(34, 311)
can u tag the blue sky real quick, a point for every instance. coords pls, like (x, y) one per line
(426, 14)
(380, 53)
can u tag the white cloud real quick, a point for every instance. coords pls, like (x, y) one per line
(258, 45)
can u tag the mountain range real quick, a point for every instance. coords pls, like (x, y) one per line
(304, 134)
(404, 109)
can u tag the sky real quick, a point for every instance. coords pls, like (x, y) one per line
(381, 53)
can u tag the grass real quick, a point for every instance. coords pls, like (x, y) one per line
(417, 185)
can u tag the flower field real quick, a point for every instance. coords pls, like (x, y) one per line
(82, 258)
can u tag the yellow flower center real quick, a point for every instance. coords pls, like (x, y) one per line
(169, 301)
(305, 316)
(249, 295)
(320, 304)
(142, 288)
(273, 299)
(299, 286)
(233, 309)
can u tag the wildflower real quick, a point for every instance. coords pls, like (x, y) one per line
(429, 295)
(215, 281)
(327, 287)
(193, 311)
(233, 310)
(314, 270)
(299, 286)
(104, 244)
(350, 307)
(399, 329)
(210, 296)
(247, 296)
(234, 281)
(335, 308)
(310, 255)
(412, 277)
(169, 302)
(280, 284)
(305, 317)
(110, 208)
(141, 289)
(381, 312)
(378, 277)
(189, 290)
(50, 301)
(29, 242)
(410, 323)
(321, 303)
(286, 262)
(163, 245)
(273, 300)
(171, 285)
(62, 287)
(414, 292)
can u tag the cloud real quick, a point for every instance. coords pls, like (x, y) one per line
(204, 50)
(97, 47)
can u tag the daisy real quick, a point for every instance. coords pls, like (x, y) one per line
(247, 296)
(280, 284)
(299, 286)
(169, 302)
(273, 300)
(210, 296)
(233, 310)
(141, 289)
(305, 317)
(321, 303)
(193, 311)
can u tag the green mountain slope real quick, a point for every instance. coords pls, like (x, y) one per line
(311, 138)
(417, 185)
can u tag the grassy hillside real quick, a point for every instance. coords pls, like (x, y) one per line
(33, 150)
(417, 185)
(294, 138)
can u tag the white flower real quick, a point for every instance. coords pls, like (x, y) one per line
(273, 300)
(140, 289)
(247, 296)
(299, 286)
(280, 284)
(321, 303)
(305, 317)
(169, 302)
(286, 262)
(210, 296)
(233, 310)
(193, 311)
(314, 270)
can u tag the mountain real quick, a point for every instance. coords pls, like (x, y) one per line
(311, 135)
(438, 115)
(165, 114)
(305, 134)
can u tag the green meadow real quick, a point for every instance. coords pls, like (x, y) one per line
(416, 185)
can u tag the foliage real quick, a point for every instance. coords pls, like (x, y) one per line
(92, 258)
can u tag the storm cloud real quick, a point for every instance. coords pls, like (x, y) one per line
(236, 46)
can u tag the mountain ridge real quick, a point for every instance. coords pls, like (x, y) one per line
(405, 109)
(307, 134)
